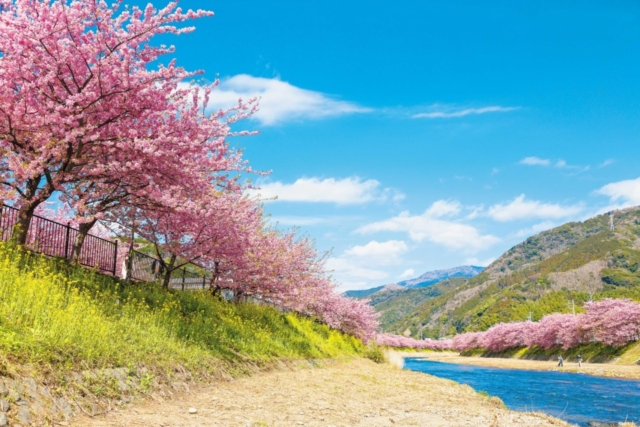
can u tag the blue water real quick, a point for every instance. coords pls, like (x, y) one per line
(576, 398)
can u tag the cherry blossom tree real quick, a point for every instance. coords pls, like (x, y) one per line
(75, 83)
(614, 322)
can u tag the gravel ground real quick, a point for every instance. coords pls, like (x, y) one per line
(355, 393)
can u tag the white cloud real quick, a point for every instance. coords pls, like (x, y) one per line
(407, 274)
(478, 262)
(520, 208)
(558, 164)
(535, 161)
(442, 208)
(444, 112)
(430, 227)
(352, 269)
(279, 101)
(606, 163)
(535, 229)
(626, 192)
(346, 191)
(381, 253)
(347, 269)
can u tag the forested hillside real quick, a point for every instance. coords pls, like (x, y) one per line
(554, 271)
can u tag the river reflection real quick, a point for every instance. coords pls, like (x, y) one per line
(576, 398)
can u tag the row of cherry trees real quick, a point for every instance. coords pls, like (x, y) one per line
(86, 116)
(614, 322)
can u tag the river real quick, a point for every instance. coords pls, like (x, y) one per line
(576, 398)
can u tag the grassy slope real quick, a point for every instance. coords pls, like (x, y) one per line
(59, 317)
(517, 283)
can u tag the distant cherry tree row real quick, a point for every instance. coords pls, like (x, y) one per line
(89, 118)
(614, 322)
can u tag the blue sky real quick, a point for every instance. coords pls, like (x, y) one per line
(412, 136)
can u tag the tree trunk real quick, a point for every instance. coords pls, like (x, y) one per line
(83, 230)
(20, 230)
(168, 270)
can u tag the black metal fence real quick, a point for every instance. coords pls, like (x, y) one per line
(55, 239)
(146, 268)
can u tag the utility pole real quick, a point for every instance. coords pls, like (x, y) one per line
(573, 307)
(530, 317)
(611, 227)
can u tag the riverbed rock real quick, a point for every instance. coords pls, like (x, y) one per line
(4, 391)
(4, 406)
(3, 420)
(24, 415)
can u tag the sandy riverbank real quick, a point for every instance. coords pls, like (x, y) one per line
(597, 369)
(356, 393)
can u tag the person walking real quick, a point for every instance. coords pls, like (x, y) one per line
(560, 361)
(579, 361)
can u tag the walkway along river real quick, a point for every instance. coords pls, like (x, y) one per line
(573, 397)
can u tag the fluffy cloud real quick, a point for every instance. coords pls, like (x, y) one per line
(444, 112)
(346, 191)
(352, 269)
(431, 227)
(407, 274)
(535, 161)
(520, 209)
(381, 253)
(443, 208)
(535, 229)
(479, 262)
(559, 164)
(279, 101)
(625, 192)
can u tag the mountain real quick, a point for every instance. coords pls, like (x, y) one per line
(436, 276)
(363, 293)
(553, 271)
(427, 279)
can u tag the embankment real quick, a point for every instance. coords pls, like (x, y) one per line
(75, 342)
(357, 393)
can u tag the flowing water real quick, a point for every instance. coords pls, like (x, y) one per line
(576, 398)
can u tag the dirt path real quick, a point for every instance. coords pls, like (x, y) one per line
(357, 393)
(597, 369)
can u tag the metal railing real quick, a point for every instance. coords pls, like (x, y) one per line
(146, 268)
(55, 239)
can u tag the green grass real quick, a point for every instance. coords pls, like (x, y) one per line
(65, 317)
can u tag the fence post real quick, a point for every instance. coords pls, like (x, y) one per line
(183, 271)
(66, 240)
(115, 259)
(203, 280)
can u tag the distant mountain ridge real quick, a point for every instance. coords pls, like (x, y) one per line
(554, 271)
(426, 279)
(431, 277)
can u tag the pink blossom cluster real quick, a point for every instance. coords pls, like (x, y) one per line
(88, 115)
(398, 341)
(614, 322)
